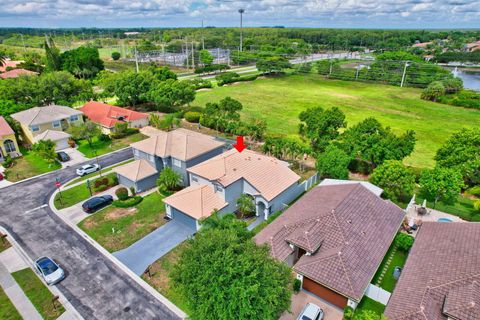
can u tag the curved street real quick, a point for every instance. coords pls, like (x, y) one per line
(94, 285)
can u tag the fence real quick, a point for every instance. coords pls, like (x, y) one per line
(378, 294)
(310, 182)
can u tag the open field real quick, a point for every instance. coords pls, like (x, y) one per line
(279, 101)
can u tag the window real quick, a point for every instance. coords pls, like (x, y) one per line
(177, 163)
(56, 123)
(194, 179)
(73, 118)
(9, 146)
(34, 128)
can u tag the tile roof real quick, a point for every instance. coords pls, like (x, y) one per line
(15, 73)
(441, 276)
(5, 129)
(268, 175)
(41, 115)
(196, 201)
(9, 63)
(373, 188)
(346, 228)
(107, 115)
(136, 170)
(181, 144)
(53, 135)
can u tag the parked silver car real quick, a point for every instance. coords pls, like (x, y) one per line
(49, 270)
(88, 168)
(311, 312)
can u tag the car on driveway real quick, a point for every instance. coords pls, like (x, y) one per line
(96, 203)
(63, 156)
(88, 168)
(49, 270)
(311, 312)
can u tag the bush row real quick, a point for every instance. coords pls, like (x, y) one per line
(129, 202)
(211, 68)
(236, 79)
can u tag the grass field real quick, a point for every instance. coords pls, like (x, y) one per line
(279, 101)
(7, 311)
(388, 282)
(129, 224)
(29, 165)
(38, 294)
(103, 147)
(369, 304)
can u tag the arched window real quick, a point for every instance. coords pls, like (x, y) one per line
(9, 146)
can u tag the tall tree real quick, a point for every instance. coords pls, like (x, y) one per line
(52, 55)
(82, 62)
(171, 94)
(273, 64)
(206, 58)
(441, 184)
(321, 126)
(396, 180)
(85, 131)
(333, 163)
(46, 150)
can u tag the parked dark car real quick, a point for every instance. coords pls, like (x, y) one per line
(63, 156)
(92, 205)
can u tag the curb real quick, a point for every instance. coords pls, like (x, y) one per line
(53, 289)
(157, 295)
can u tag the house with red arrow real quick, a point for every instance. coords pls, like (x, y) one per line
(216, 184)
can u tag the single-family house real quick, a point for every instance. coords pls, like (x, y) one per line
(441, 278)
(178, 149)
(473, 46)
(107, 116)
(216, 184)
(36, 121)
(8, 143)
(9, 64)
(335, 238)
(15, 73)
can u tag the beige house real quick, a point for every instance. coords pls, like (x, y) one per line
(8, 143)
(36, 121)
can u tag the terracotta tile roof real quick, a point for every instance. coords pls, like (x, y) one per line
(181, 144)
(9, 63)
(441, 276)
(349, 232)
(136, 170)
(268, 175)
(107, 115)
(5, 129)
(53, 135)
(15, 73)
(196, 201)
(41, 115)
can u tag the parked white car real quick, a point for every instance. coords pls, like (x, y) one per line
(49, 270)
(311, 312)
(88, 168)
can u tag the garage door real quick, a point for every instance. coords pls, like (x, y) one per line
(62, 144)
(324, 293)
(185, 219)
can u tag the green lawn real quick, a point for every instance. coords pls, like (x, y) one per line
(104, 147)
(160, 279)
(369, 304)
(463, 208)
(38, 294)
(29, 165)
(74, 195)
(7, 311)
(117, 228)
(93, 174)
(4, 245)
(279, 100)
(398, 259)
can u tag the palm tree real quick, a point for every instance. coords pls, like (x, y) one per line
(169, 180)
(246, 205)
(3, 60)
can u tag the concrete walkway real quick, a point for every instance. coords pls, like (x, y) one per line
(255, 223)
(16, 294)
(153, 246)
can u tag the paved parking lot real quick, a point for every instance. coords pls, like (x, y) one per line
(300, 299)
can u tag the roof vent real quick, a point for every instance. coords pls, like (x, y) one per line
(349, 221)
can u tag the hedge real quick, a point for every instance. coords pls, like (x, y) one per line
(129, 202)
(192, 116)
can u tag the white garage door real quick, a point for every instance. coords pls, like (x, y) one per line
(62, 144)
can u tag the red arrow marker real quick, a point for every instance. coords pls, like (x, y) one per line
(239, 145)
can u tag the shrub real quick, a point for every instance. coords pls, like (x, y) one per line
(122, 193)
(100, 188)
(97, 183)
(129, 202)
(434, 90)
(201, 84)
(403, 241)
(227, 77)
(476, 205)
(192, 116)
(348, 313)
(8, 162)
(104, 137)
(297, 285)
(475, 218)
(473, 191)
(133, 191)
(116, 55)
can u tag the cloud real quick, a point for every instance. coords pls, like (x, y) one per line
(320, 13)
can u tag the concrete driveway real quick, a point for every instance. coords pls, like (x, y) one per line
(299, 301)
(76, 157)
(153, 246)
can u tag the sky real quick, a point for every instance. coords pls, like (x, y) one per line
(404, 14)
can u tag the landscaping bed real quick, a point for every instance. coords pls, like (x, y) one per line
(29, 165)
(117, 228)
(74, 195)
(38, 294)
(4, 245)
(397, 258)
(99, 148)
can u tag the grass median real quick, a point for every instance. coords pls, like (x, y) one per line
(38, 294)
(8, 310)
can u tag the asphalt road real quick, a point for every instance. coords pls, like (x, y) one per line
(95, 286)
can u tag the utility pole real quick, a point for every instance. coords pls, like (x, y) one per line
(23, 42)
(203, 38)
(241, 11)
(136, 59)
(186, 53)
(404, 73)
(331, 65)
(193, 57)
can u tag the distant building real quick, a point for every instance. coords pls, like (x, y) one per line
(8, 143)
(9, 64)
(132, 33)
(15, 73)
(422, 45)
(473, 46)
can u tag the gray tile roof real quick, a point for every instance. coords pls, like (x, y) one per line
(41, 115)
(441, 275)
(351, 227)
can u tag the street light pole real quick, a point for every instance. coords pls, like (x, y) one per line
(404, 73)
(241, 11)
